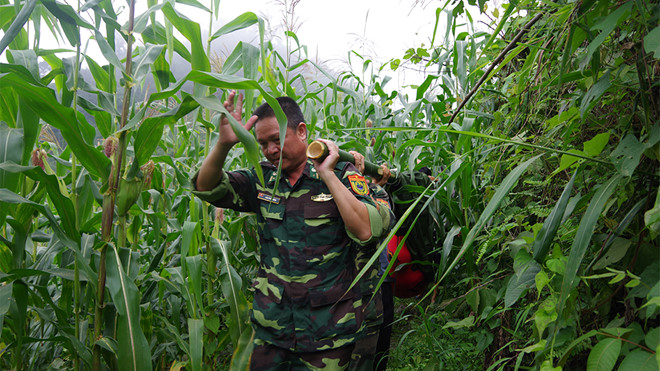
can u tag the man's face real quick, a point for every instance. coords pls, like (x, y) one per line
(293, 149)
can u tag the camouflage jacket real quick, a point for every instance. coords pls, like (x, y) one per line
(308, 259)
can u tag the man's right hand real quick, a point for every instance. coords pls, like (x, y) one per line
(227, 136)
(210, 173)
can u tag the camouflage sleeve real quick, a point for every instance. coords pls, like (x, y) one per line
(382, 199)
(380, 217)
(235, 191)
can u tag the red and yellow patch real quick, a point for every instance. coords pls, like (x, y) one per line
(358, 184)
(383, 202)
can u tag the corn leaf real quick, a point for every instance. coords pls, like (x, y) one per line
(71, 124)
(11, 150)
(231, 284)
(5, 295)
(134, 351)
(17, 25)
(150, 132)
(196, 339)
(244, 20)
(242, 353)
(191, 31)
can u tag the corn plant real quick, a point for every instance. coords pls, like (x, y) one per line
(541, 130)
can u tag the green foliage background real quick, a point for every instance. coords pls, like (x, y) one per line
(543, 134)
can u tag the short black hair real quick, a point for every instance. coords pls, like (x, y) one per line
(289, 106)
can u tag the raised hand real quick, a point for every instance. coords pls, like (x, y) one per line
(235, 108)
(327, 165)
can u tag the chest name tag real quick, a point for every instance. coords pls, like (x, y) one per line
(268, 198)
(321, 197)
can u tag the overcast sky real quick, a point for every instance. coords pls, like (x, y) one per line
(377, 29)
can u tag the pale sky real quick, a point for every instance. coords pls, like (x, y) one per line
(377, 29)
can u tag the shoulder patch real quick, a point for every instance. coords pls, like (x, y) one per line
(383, 202)
(358, 184)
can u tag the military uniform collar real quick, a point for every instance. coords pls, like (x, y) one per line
(309, 171)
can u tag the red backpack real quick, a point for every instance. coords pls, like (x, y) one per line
(408, 279)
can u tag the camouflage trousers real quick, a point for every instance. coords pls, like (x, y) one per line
(354, 357)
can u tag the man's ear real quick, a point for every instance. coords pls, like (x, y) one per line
(301, 131)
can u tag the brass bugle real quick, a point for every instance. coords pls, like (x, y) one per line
(317, 150)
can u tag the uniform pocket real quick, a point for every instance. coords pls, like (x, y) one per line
(333, 311)
(322, 225)
(321, 210)
(267, 312)
(270, 210)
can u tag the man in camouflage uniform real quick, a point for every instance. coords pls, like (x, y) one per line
(311, 225)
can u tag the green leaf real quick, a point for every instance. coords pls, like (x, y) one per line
(162, 73)
(652, 219)
(603, 356)
(11, 150)
(19, 313)
(231, 285)
(141, 21)
(157, 34)
(639, 360)
(17, 25)
(194, 267)
(652, 338)
(196, 339)
(108, 344)
(191, 31)
(651, 42)
(28, 120)
(240, 360)
(5, 300)
(607, 25)
(134, 351)
(43, 101)
(541, 280)
(595, 145)
(526, 270)
(502, 191)
(62, 203)
(575, 343)
(472, 298)
(623, 225)
(150, 132)
(11, 197)
(244, 20)
(594, 94)
(108, 52)
(25, 58)
(145, 61)
(627, 154)
(583, 237)
(68, 18)
(615, 253)
(551, 224)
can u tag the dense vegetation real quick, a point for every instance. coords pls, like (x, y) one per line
(543, 133)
